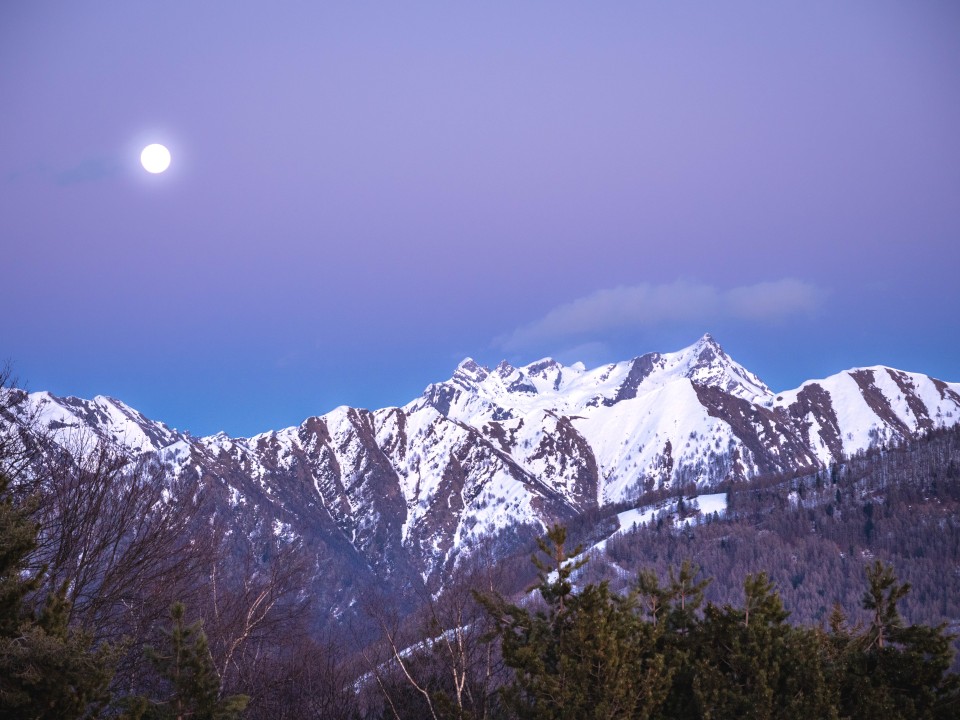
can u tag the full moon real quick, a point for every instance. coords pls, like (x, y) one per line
(155, 158)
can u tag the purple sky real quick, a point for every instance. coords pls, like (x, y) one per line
(362, 194)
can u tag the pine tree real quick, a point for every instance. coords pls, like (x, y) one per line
(191, 679)
(554, 572)
(748, 662)
(654, 599)
(890, 670)
(586, 655)
(681, 599)
(685, 593)
(881, 599)
(18, 538)
(47, 670)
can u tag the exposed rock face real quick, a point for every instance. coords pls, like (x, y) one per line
(401, 492)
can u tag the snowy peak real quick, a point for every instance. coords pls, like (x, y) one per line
(706, 352)
(505, 369)
(475, 394)
(705, 363)
(469, 372)
(864, 407)
(84, 422)
(541, 368)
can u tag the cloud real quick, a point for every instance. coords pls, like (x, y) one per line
(90, 170)
(647, 305)
(773, 301)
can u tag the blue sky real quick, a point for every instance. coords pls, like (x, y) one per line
(362, 194)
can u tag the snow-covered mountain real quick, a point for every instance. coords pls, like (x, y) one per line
(404, 490)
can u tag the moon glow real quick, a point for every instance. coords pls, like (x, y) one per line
(155, 158)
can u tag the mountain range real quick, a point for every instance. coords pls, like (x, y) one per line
(493, 455)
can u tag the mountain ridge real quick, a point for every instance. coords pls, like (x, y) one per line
(410, 489)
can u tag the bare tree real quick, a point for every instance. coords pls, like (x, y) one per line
(441, 654)
(21, 436)
(117, 535)
(253, 606)
(393, 660)
(306, 679)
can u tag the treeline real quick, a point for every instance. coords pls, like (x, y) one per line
(660, 652)
(814, 535)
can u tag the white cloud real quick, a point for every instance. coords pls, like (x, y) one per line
(773, 301)
(647, 305)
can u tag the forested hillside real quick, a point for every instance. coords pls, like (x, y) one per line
(815, 534)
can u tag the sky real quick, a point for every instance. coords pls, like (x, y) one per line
(362, 194)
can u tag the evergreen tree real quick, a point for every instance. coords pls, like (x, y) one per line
(681, 600)
(586, 655)
(654, 599)
(18, 538)
(554, 572)
(189, 675)
(685, 594)
(47, 670)
(750, 663)
(889, 670)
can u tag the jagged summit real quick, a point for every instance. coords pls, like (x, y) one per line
(488, 451)
(706, 363)
(504, 369)
(474, 392)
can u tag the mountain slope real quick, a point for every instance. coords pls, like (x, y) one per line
(402, 492)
